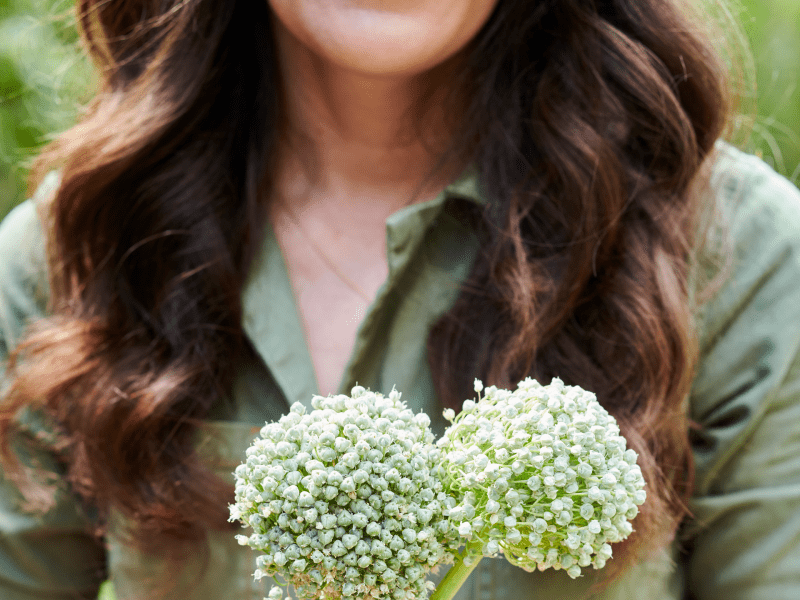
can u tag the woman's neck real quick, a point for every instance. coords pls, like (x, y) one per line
(354, 137)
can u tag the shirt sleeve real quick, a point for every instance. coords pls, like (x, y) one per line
(51, 554)
(743, 542)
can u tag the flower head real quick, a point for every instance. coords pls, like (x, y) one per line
(543, 476)
(347, 500)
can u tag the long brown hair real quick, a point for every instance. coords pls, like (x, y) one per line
(608, 114)
(588, 121)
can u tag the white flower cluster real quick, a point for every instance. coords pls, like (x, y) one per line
(543, 476)
(347, 500)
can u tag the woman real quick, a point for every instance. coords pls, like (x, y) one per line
(272, 199)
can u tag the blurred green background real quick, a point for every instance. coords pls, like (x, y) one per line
(43, 80)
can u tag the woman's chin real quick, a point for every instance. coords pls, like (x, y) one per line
(373, 38)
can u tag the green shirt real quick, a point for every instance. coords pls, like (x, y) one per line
(744, 539)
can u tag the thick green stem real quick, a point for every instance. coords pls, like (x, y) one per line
(454, 579)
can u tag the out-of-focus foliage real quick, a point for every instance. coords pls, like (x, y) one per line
(44, 78)
(773, 28)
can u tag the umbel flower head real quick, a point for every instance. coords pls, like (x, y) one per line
(347, 500)
(543, 476)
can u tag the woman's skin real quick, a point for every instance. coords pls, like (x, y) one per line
(355, 75)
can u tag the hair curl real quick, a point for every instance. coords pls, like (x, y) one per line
(588, 163)
(588, 120)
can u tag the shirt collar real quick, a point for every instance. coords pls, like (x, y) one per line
(269, 313)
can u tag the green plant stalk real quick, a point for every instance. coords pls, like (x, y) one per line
(455, 578)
